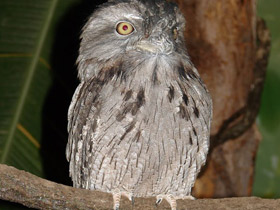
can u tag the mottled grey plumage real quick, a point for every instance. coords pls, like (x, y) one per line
(139, 121)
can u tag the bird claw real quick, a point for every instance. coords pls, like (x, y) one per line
(117, 198)
(169, 198)
(189, 197)
(132, 200)
(158, 201)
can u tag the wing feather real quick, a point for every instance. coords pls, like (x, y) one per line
(84, 106)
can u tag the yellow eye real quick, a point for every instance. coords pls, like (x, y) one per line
(124, 28)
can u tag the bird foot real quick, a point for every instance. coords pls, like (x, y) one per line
(117, 198)
(169, 198)
(189, 197)
(172, 200)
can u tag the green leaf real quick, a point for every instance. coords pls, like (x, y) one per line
(38, 47)
(39, 42)
(25, 79)
(267, 175)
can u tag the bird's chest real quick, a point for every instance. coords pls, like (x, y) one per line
(144, 121)
(146, 130)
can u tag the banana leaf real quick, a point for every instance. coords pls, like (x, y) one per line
(39, 42)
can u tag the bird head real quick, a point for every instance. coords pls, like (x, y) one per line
(124, 29)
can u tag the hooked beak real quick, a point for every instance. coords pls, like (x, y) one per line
(147, 46)
(160, 44)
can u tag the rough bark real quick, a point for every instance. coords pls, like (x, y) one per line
(31, 191)
(222, 40)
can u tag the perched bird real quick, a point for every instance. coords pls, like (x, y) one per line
(139, 121)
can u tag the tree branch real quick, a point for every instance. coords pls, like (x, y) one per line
(31, 191)
(242, 120)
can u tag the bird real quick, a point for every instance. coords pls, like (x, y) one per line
(139, 120)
